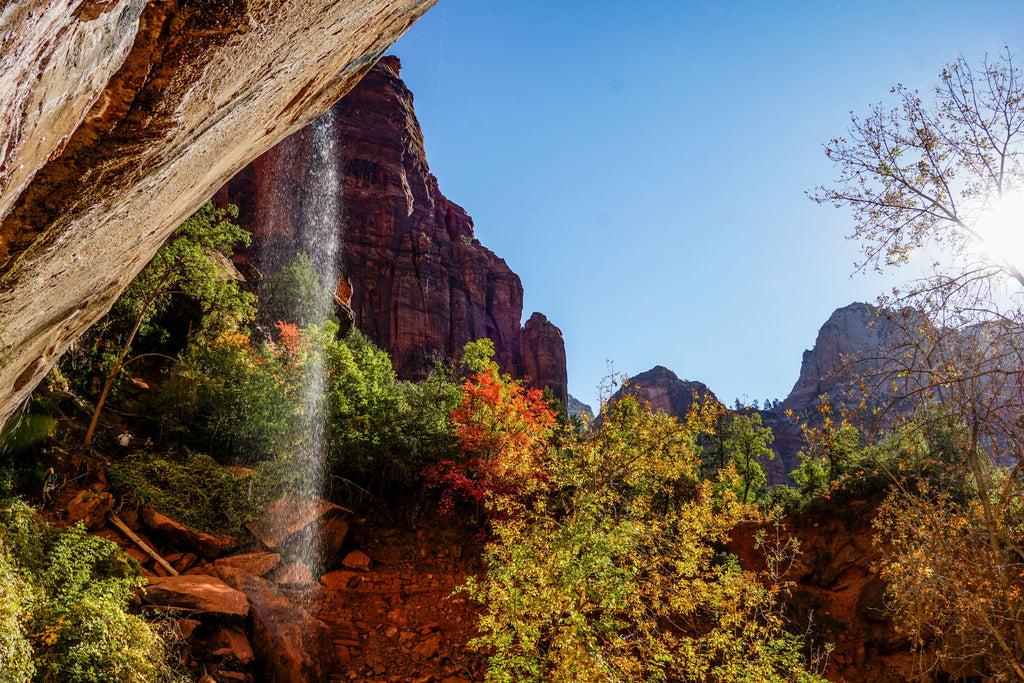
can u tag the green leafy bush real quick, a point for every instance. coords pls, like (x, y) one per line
(618, 575)
(382, 431)
(234, 399)
(838, 464)
(290, 294)
(199, 491)
(16, 664)
(66, 597)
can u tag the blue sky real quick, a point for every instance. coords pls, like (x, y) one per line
(642, 165)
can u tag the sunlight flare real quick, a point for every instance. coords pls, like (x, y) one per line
(1001, 229)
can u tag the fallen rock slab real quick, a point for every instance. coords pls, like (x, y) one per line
(293, 575)
(236, 643)
(293, 523)
(184, 537)
(341, 579)
(198, 594)
(90, 508)
(358, 560)
(257, 564)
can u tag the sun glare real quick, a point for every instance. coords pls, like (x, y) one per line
(1002, 229)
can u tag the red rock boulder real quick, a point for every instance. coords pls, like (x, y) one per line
(291, 645)
(197, 594)
(186, 538)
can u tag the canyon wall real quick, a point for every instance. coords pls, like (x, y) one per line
(422, 285)
(121, 117)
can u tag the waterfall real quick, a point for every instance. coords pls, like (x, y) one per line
(314, 213)
(320, 224)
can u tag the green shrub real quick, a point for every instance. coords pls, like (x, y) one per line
(68, 601)
(190, 272)
(200, 492)
(239, 401)
(15, 651)
(838, 464)
(289, 295)
(382, 431)
(233, 399)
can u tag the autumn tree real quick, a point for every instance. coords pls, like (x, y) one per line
(944, 174)
(501, 427)
(617, 574)
(931, 170)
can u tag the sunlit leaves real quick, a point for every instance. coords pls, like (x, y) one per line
(925, 171)
(617, 576)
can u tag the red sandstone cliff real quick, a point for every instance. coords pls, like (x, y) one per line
(422, 284)
(663, 389)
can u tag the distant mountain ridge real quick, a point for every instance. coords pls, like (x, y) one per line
(856, 331)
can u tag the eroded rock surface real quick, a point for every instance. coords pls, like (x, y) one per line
(421, 284)
(120, 117)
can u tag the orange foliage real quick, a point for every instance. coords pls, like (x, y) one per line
(502, 429)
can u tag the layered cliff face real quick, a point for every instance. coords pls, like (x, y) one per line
(422, 285)
(120, 117)
(849, 346)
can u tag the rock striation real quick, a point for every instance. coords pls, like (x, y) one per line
(120, 117)
(421, 284)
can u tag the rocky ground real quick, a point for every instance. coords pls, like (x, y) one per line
(393, 613)
(248, 609)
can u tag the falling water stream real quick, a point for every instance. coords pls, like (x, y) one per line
(320, 224)
(317, 221)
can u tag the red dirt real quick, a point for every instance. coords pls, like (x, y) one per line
(400, 622)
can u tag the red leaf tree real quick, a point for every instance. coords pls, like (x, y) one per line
(502, 428)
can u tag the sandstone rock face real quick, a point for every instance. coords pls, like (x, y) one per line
(835, 576)
(120, 117)
(847, 346)
(542, 356)
(422, 285)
